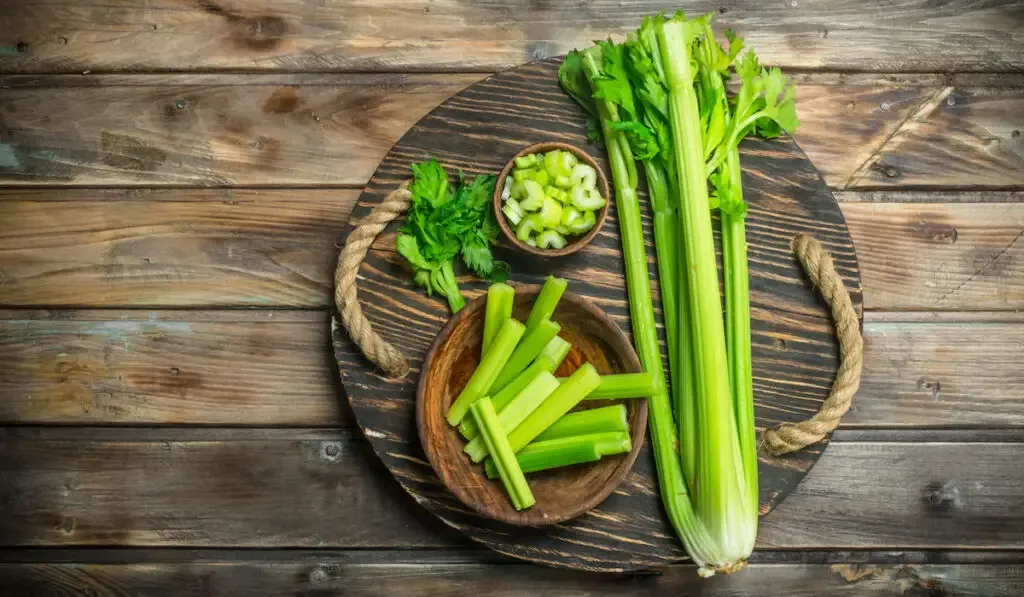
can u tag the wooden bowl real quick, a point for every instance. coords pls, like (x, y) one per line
(561, 493)
(580, 241)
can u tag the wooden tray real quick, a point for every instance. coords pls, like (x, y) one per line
(794, 349)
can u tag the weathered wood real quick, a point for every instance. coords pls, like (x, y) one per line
(119, 368)
(217, 247)
(169, 369)
(273, 248)
(479, 130)
(326, 575)
(914, 35)
(860, 131)
(327, 491)
(939, 256)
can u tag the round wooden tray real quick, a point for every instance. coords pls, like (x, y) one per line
(794, 348)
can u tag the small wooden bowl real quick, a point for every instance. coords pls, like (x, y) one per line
(561, 493)
(580, 241)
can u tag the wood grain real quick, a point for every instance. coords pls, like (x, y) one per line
(64, 36)
(398, 574)
(878, 131)
(324, 489)
(275, 248)
(478, 130)
(118, 368)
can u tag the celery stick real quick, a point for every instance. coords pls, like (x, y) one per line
(532, 345)
(544, 455)
(561, 401)
(504, 458)
(488, 369)
(547, 300)
(525, 402)
(622, 385)
(543, 364)
(499, 310)
(556, 350)
(607, 419)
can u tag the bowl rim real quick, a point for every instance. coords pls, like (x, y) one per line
(521, 519)
(581, 241)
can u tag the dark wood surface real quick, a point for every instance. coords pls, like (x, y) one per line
(561, 494)
(478, 130)
(177, 176)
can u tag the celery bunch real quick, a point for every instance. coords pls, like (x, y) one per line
(660, 98)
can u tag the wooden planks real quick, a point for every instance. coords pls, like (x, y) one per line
(197, 368)
(322, 489)
(860, 131)
(401, 573)
(277, 248)
(64, 36)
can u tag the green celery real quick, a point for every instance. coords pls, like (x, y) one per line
(543, 363)
(566, 451)
(500, 297)
(606, 419)
(502, 455)
(546, 301)
(488, 369)
(532, 344)
(517, 410)
(562, 400)
(556, 350)
(624, 385)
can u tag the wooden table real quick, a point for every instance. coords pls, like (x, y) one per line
(176, 176)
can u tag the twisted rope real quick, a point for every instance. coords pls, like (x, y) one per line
(790, 437)
(387, 357)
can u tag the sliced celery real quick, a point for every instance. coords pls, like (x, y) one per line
(547, 300)
(488, 369)
(550, 239)
(526, 161)
(607, 419)
(570, 215)
(533, 343)
(586, 199)
(525, 228)
(521, 175)
(543, 364)
(561, 401)
(583, 176)
(525, 402)
(517, 190)
(504, 458)
(550, 213)
(563, 182)
(583, 223)
(513, 216)
(500, 297)
(556, 193)
(566, 451)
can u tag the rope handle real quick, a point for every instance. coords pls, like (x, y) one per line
(786, 438)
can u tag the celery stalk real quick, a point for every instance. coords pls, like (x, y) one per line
(566, 451)
(543, 364)
(556, 350)
(502, 454)
(607, 419)
(533, 343)
(488, 369)
(561, 401)
(516, 411)
(624, 385)
(500, 297)
(546, 301)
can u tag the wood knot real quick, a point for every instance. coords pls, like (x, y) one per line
(942, 499)
(262, 33)
(885, 170)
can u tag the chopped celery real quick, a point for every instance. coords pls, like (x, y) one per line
(569, 215)
(583, 176)
(542, 364)
(532, 203)
(556, 193)
(517, 190)
(533, 343)
(566, 451)
(499, 310)
(540, 177)
(526, 161)
(563, 181)
(550, 213)
(524, 403)
(501, 453)
(551, 161)
(525, 228)
(562, 230)
(607, 419)
(521, 175)
(488, 369)
(550, 239)
(513, 216)
(584, 223)
(546, 301)
(586, 199)
(531, 242)
(534, 190)
(561, 401)
(567, 160)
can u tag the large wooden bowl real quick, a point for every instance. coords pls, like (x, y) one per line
(562, 493)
